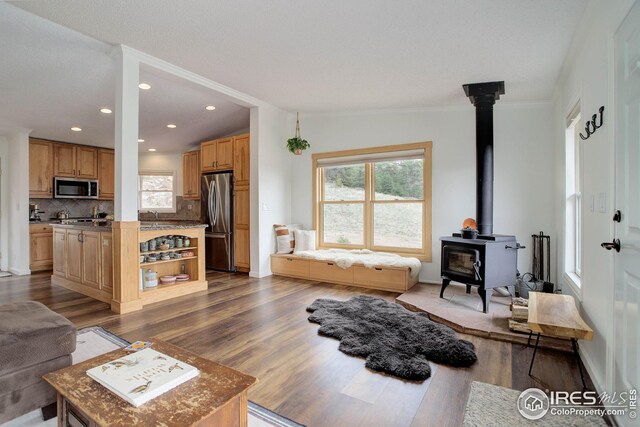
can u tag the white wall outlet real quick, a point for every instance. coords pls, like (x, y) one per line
(602, 202)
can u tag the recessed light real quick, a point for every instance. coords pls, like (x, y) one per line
(210, 108)
(106, 111)
(76, 129)
(152, 149)
(144, 86)
(141, 140)
(171, 126)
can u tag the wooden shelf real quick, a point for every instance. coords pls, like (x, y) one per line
(168, 286)
(169, 250)
(167, 260)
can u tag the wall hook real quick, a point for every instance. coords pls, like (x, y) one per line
(591, 126)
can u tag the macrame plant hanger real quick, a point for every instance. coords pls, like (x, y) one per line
(298, 151)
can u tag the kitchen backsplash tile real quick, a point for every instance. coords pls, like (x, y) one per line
(183, 213)
(76, 207)
(84, 208)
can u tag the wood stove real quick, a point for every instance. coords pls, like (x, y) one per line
(490, 261)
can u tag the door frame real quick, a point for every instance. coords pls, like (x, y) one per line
(613, 202)
(4, 208)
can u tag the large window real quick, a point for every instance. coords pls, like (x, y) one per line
(378, 198)
(156, 191)
(573, 207)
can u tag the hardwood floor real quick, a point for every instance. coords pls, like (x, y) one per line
(259, 326)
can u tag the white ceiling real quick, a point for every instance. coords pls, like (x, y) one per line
(309, 56)
(317, 56)
(53, 78)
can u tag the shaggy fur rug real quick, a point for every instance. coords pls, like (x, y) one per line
(391, 338)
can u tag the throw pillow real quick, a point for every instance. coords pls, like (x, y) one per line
(283, 239)
(305, 240)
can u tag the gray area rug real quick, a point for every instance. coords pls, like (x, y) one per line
(490, 405)
(393, 339)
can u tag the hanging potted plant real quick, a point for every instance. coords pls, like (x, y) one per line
(297, 145)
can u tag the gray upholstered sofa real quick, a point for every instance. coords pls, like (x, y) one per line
(33, 341)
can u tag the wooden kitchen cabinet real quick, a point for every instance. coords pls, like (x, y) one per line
(75, 161)
(106, 267)
(241, 228)
(87, 162)
(40, 247)
(60, 248)
(241, 203)
(241, 159)
(224, 154)
(40, 168)
(106, 174)
(64, 160)
(91, 258)
(74, 255)
(83, 261)
(208, 156)
(191, 175)
(216, 155)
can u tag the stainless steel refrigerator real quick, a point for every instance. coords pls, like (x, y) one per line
(217, 212)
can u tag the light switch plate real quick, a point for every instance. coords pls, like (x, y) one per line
(602, 201)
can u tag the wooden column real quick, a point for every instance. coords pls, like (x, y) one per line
(126, 267)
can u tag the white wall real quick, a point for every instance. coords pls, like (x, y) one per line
(270, 182)
(587, 76)
(524, 175)
(15, 202)
(4, 204)
(160, 162)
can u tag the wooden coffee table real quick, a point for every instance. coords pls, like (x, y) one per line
(216, 397)
(556, 315)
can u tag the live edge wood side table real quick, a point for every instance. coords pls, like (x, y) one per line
(556, 315)
(216, 397)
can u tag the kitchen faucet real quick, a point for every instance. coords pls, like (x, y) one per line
(155, 213)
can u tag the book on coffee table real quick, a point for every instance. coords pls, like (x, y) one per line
(142, 376)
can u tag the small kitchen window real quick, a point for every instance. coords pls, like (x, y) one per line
(157, 191)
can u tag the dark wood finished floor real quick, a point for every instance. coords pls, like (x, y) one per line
(260, 327)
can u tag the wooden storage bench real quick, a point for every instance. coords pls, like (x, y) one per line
(395, 279)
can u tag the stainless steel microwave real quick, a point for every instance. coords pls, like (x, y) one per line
(71, 188)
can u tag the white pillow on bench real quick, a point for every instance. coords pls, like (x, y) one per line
(305, 240)
(285, 240)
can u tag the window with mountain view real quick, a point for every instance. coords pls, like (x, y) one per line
(377, 199)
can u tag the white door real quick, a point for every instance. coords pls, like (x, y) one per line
(627, 200)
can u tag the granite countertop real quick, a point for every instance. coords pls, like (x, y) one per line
(84, 226)
(144, 226)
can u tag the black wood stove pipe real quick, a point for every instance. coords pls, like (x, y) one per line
(483, 96)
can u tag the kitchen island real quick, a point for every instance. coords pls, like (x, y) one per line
(88, 260)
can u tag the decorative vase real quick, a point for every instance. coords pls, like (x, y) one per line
(298, 152)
